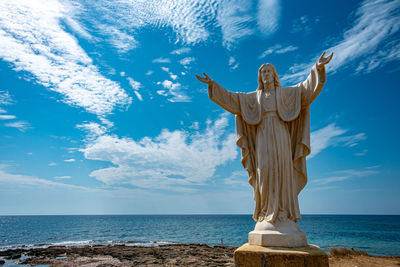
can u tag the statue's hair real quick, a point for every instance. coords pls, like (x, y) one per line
(277, 83)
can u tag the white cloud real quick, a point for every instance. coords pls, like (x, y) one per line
(186, 61)
(25, 180)
(362, 153)
(7, 117)
(62, 177)
(347, 174)
(138, 95)
(52, 164)
(172, 160)
(32, 39)
(194, 23)
(174, 90)
(233, 64)
(235, 19)
(332, 135)
(135, 86)
(268, 14)
(3, 110)
(69, 160)
(278, 49)
(195, 125)
(376, 23)
(5, 98)
(180, 51)
(20, 125)
(122, 73)
(149, 72)
(78, 28)
(122, 40)
(239, 178)
(172, 75)
(162, 60)
(93, 129)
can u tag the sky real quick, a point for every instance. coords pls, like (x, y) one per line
(101, 113)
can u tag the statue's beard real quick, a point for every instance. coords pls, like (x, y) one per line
(268, 84)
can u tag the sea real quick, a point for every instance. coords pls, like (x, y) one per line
(375, 234)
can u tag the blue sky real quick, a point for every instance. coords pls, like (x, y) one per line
(100, 111)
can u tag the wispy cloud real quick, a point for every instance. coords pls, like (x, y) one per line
(69, 160)
(3, 110)
(332, 135)
(195, 125)
(278, 49)
(233, 64)
(138, 95)
(5, 98)
(235, 20)
(173, 91)
(347, 174)
(135, 86)
(7, 117)
(171, 75)
(161, 60)
(32, 39)
(194, 23)
(25, 180)
(92, 129)
(62, 177)
(376, 22)
(186, 61)
(239, 178)
(180, 51)
(172, 160)
(52, 164)
(362, 153)
(268, 14)
(20, 125)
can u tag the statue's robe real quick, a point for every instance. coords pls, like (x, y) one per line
(273, 132)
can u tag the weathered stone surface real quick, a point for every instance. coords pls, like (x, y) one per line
(258, 256)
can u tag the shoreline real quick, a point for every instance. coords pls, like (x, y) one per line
(163, 255)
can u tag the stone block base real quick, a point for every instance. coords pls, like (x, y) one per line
(277, 239)
(258, 256)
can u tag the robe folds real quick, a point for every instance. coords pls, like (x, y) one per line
(273, 133)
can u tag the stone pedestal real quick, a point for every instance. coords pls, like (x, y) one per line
(258, 256)
(282, 233)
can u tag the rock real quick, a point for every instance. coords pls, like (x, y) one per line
(257, 256)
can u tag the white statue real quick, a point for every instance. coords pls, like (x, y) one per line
(273, 132)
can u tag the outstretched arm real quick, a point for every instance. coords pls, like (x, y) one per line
(312, 86)
(227, 100)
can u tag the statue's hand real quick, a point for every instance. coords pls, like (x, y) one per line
(206, 79)
(324, 60)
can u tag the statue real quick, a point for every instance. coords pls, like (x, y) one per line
(273, 132)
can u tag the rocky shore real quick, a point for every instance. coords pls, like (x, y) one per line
(169, 255)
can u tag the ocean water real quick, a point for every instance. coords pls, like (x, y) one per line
(376, 234)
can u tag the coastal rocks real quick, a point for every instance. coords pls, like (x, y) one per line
(2, 262)
(12, 254)
(172, 255)
(121, 255)
(257, 256)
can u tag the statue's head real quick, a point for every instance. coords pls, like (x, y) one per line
(267, 71)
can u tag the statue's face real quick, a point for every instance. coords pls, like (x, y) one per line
(267, 74)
